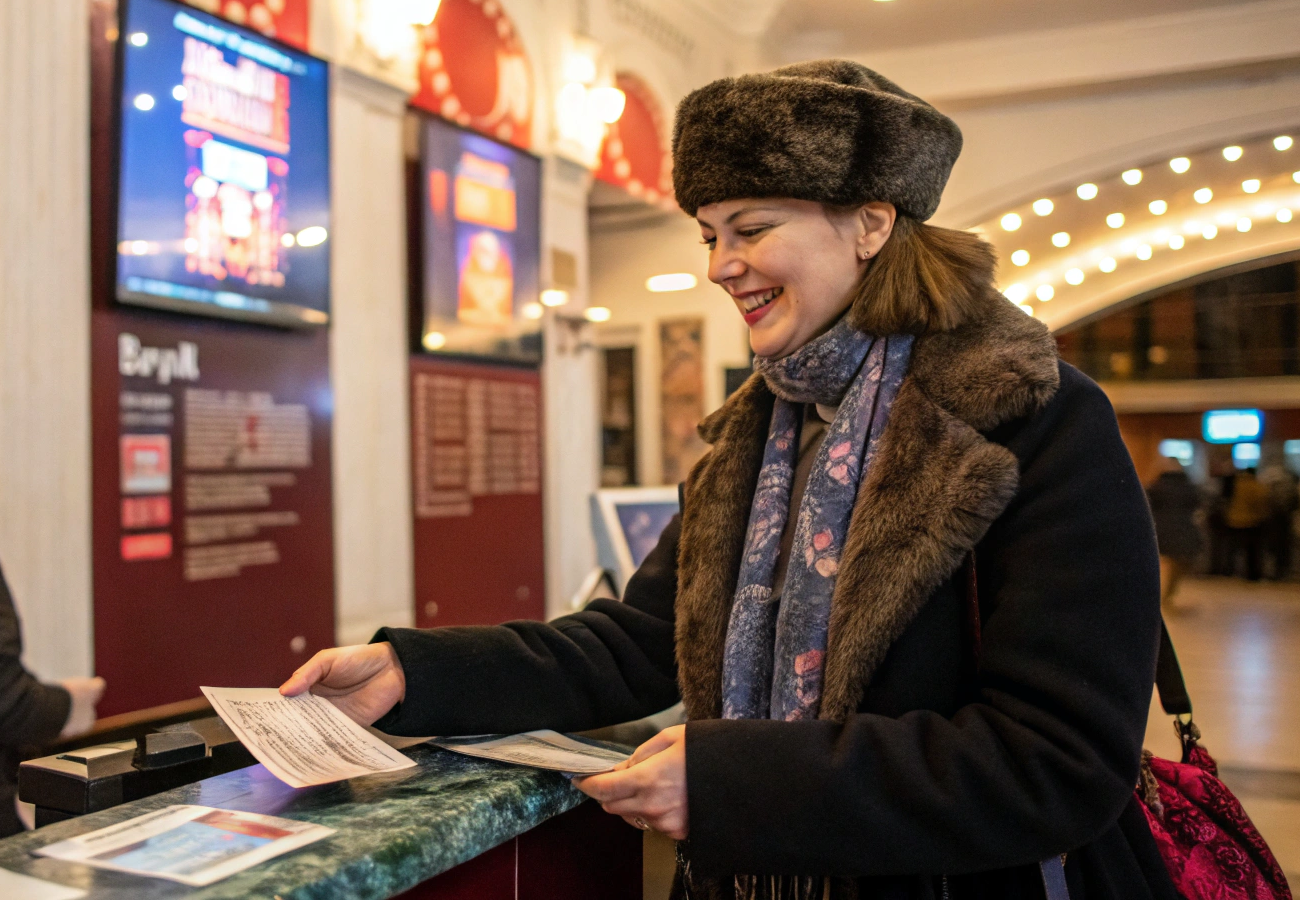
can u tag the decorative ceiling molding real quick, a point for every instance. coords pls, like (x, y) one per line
(747, 18)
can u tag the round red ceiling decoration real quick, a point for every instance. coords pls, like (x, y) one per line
(285, 20)
(636, 155)
(473, 71)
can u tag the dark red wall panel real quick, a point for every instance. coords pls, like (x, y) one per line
(477, 469)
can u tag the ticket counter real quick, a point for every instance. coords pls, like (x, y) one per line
(453, 827)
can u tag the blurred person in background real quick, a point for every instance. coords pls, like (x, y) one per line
(1174, 502)
(1247, 512)
(32, 714)
(1278, 535)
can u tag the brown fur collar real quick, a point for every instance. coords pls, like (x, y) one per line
(934, 489)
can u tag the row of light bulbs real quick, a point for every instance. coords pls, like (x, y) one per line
(1180, 164)
(1019, 293)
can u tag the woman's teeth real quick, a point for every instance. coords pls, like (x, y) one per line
(758, 301)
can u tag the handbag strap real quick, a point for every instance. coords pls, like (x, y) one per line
(1169, 684)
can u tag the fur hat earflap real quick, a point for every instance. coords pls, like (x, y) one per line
(831, 131)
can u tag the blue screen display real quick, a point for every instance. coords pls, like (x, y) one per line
(482, 213)
(224, 181)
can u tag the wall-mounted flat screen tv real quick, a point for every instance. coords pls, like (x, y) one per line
(223, 179)
(481, 246)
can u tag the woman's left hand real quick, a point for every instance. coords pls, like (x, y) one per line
(650, 786)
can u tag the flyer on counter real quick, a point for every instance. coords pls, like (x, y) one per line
(303, 740)
(195, 845)
(540, 750)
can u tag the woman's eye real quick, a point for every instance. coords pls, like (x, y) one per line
(709, 242)
(752, 232)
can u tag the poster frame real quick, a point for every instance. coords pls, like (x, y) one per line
(419, 118)
(276, 313)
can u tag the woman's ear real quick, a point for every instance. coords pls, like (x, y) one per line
(875, 222)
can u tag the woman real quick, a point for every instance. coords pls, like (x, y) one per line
(810, 604)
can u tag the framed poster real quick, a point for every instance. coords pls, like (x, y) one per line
(480, 217)
(223, 203)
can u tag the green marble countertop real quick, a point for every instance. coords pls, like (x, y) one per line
(392, 831)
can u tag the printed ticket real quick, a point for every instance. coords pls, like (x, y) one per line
(540, 750)
(303, 740)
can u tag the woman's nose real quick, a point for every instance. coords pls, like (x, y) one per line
(724, 264)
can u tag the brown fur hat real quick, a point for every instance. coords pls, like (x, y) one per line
(832, 131)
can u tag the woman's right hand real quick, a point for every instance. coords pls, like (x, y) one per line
(364, 681)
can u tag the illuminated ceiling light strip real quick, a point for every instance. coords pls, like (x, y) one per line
(675, 281)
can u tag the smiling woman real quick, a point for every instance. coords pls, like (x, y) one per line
(814, 605)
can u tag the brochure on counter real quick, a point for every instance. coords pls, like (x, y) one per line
(194, 845)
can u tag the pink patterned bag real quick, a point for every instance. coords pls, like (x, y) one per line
(1207, 841)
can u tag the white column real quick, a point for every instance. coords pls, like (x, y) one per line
(45, 328)
(570, 391)
(369, 357)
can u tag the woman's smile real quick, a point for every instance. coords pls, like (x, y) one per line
(754, 305)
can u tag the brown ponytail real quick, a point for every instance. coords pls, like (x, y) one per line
(925, 278)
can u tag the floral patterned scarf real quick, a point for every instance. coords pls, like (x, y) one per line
(776, 646)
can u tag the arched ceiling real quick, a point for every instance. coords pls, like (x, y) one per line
(1073, 252)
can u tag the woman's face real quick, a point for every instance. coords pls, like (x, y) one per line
(790, 266)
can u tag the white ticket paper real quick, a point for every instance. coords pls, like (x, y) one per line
(303, 740)
(540, 750)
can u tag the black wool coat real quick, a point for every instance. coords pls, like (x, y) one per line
(920, 776)
(31, 713)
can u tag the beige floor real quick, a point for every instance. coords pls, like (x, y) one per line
(1239, 646)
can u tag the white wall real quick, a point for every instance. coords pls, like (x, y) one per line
(369, 352)
(45, 328)
(623, 260)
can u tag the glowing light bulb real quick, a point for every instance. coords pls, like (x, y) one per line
(1045, 292)
(1107, 264)
(1282, 142)
(1061, 239)
(312, 236)
(596, 314)
(554, 297)
(1087, 191)
(1232, 154)
(1115, 220)
(1250, 185)
(1044, 207)
(1210, 232)
(1243, 224)
(1016, 293)
(1027, 310)
(1143, 251)
(1177, 242)
(1284, 215)
(1020, 258)
(138, 39)
(143, 102)
(1074, 276)
(1204, 195)
(1010, 222)
(180, 93)
(287, 240)
(1132, 176)
(1180, 164)
(434, 340)
(531, 310)
(1158, 207)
